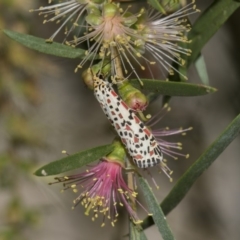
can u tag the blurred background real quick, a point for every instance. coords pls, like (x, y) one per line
(45, 108)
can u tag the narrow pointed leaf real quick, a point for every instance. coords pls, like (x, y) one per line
(184, 184)
(40, 45)
(155, 209)
(208, 24)
(202, 70)
(136, 232)
(74, 161)
(157, 5)
(173, 88)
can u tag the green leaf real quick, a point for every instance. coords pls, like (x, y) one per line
(194, 172)
(157, 5)
(136, 232)
(173, 88)
(202, 69)
(208, 24)
(155, 209)
(74, 161)
(40, 45)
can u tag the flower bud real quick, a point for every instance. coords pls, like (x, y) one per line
(87, 76)
(141, 21)
(110, 10)
(129, 19)
(102, 67)
(93, 10)
(93, 19)
(171, 6)
(134, 98)
(118, 154)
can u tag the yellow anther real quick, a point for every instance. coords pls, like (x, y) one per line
(138, 54)
(49, 40)
(138, 222)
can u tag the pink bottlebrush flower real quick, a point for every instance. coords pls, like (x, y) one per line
(102, 189)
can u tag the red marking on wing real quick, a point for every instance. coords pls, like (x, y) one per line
(125, 105)
(117, 126)
(147, 132)
(113, 93)
(153, 144)
(137, 120)
(138, 157)
(120, 115)
(108, 100)
(136, 140)
(113, 113)
(124, 141)
(128, 128)
(151, 153)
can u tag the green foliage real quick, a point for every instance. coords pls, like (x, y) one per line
(74, 161)
(157, 5)
(155, 209)
(136, 232)
(40, 45)
(173, 88)
(202, 70)
(194, 172)
(208, 24)
(203, 29)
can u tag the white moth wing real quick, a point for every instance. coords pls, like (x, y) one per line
(138, 139)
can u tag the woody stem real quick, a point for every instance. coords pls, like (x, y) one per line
(119, 77)
(117, 64)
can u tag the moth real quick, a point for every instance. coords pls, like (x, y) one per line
(137, 138)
